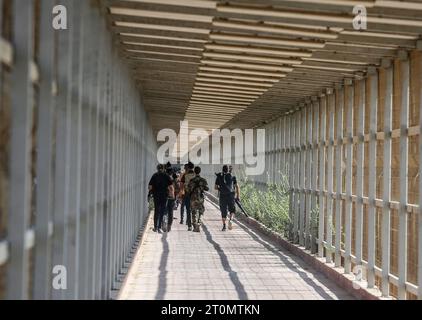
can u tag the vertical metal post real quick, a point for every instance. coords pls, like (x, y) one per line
(96, 163)
(270, 151)
(101, 107)
(69, 221)
(74, 157)
(286, 164)
(263, 176)
(268, 154)
(322, 163)
(420, 190)
(360, 150)
(277, 149)
(120, 182)
(103, 290)
(296, 166)
(339, 175)
(276, 141)
(330, 200)
(44, 195)
(93, 168)
(116, 180)
(86, 185)
(298, 173)
(308, 172)
(349, 90)
(372, 191)
(404, 168)
(125, 186)
(110, 180)
(315, 168)
(386, 211)
(59, 215)
(291, 173)
(272, 154)
(283, 161)
(277, 153)
(302, 177)
(20, 154)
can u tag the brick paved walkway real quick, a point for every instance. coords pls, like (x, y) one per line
(239, 264)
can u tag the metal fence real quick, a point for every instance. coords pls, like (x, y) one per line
(74, 141)
(352, 157)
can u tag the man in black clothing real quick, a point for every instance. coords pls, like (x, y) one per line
(161, 187)
(229, 190)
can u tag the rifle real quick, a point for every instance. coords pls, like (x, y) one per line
(239, 204)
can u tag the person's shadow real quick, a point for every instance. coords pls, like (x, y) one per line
(300, 263)
(240, 289)
(162, 281)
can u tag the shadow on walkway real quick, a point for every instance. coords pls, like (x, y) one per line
(320, 290)
(240, 289)
(162, 282)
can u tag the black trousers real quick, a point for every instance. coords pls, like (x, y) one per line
(170, 211)
(160, 206)
(227, 204)
(186, 201)
(182, 209)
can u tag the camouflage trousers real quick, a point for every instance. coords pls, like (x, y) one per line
(197, 209)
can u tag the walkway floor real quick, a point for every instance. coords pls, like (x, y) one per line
(216, 265)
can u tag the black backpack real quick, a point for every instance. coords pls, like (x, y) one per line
(226, 183)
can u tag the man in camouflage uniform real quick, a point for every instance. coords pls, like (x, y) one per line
(196, 187)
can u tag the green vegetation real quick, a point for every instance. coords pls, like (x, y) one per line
(270, 205)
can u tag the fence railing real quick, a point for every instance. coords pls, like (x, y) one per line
(353, 154)
(74, 144)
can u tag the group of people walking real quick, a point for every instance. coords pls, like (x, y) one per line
(170, 188)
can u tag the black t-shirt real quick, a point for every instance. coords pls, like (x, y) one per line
(160, 182)
(226, 183)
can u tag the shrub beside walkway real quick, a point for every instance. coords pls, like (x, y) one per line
(216, 265)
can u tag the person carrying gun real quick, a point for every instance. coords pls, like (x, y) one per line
(229, 192)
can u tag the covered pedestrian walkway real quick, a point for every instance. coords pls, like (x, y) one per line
(241, 264)
(86, 88)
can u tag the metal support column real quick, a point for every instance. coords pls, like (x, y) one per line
(349, 103)
(322, 163)
(44, 195)
(372, 191)
(386, 211)
(360, 151)
(330, 189)
(339, 175)
(20, 175)
(404, 168)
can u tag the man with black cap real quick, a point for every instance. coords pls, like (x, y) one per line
(228, 190)
(161, 187)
